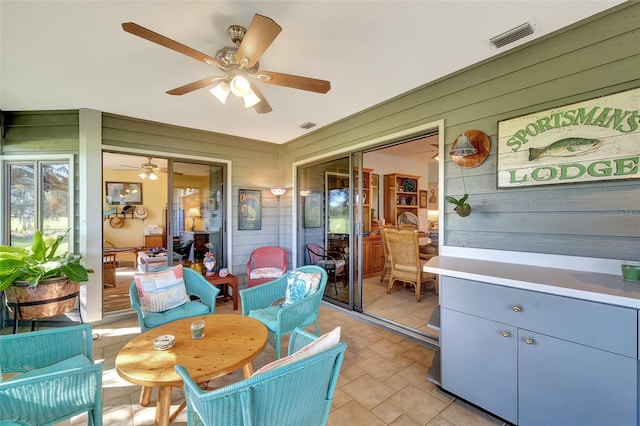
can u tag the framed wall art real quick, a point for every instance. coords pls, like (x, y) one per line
(423, 200)
(313, 211)
(123, 193)
(594, 140)
(249, 209)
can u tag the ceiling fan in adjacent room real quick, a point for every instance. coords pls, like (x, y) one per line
(149, 170)
(238, 62)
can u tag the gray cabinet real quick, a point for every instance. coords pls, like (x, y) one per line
(534, 358)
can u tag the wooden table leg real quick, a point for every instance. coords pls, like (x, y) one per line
(145, 395)
(163, 406)
(247, 369)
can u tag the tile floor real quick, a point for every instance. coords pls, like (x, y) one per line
(382, 381)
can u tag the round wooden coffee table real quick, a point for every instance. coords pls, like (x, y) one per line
(230, 342)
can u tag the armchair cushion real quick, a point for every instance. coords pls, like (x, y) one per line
(162, 290)
(322, 343)
(268, 272)
(189, 309)
(78, 361)
(300, 285)
(268, 316)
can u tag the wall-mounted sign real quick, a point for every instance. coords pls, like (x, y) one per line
(595, 140)
(249, 209)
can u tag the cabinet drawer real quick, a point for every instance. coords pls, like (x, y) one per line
(607, 327)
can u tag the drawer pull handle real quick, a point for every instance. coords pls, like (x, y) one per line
(517, 308)
(528, 341)
(506, 334)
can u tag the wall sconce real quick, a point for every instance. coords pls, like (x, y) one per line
(463, 147)
(193, 213)
(470, 149)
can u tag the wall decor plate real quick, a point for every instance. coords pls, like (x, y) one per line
(409, 185)
(407, 218)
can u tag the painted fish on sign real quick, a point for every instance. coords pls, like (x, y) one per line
(564, 148)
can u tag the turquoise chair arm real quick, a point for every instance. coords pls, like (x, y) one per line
(299, 339)
(197, 285)
(263, 295)
(299, 314)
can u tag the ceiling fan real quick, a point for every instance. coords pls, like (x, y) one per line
(238, 62)
(149, 170)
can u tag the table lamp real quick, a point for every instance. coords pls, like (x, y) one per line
(193, 213)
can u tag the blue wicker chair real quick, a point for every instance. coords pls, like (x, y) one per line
(58, 377)
(298, 393)
(197, 286)
(258, 302)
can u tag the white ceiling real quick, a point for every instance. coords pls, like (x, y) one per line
(74, 54)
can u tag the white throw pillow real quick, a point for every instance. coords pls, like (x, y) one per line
(161, 290)
(322, 343)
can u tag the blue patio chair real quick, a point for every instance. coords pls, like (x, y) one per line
(58, 377)
(258, 302)
(297, 393)
(197, 287)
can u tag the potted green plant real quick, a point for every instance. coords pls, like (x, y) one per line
(462, 207)
(39, 281)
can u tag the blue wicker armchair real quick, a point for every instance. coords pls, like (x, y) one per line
(58, 377)
(258, 302)
(298, 393)
(196, 285)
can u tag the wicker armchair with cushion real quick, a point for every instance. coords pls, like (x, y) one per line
(156, 302)
(266, 264)
(294, 391)
(291, 301)
(49, 376)
(406, 264)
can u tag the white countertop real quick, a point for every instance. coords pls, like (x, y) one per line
(597, 287)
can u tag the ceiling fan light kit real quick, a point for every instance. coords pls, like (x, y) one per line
(239, 62)
(149, 170)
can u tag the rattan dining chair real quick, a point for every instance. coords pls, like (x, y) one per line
(406, 264)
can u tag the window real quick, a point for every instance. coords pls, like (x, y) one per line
(37, 195)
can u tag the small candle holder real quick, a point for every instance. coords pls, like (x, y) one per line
(197, 329)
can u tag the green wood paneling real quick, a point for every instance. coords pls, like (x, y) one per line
(40, 132)
(596, 57)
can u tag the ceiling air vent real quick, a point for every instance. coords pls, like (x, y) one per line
(511, 35)
(307, 125)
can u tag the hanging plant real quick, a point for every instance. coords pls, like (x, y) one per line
(462, 207)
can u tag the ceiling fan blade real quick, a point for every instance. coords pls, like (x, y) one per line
(294, 81)
(165, 170)
(154, 37)
(263, 106)
(195, 85)
(258, 38)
